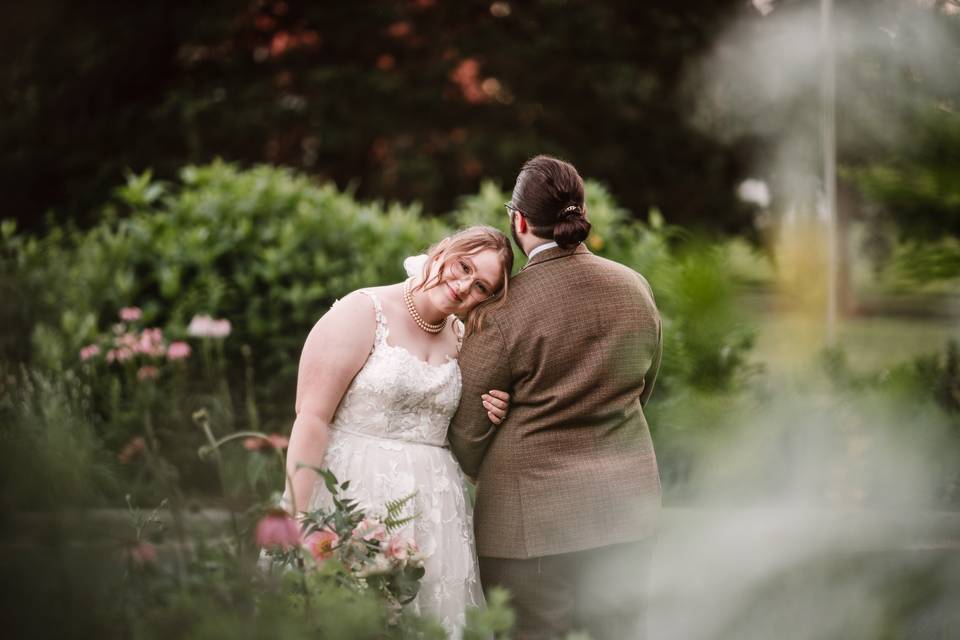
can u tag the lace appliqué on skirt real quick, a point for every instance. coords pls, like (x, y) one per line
(388, 439)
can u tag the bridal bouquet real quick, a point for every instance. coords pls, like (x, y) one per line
(369, 548)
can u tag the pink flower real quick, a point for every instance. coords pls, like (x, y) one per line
(221, 328)
(143, 553)
(200, 326)
(119, 355)
(130, 314)
(277, 530)
(274, 440)
(128, 340)
(147, 373)
(399, 548)
(89, 351)
(321, 544)
(150, 342)
(370, 529)
(131, 450)
(178, 351)
(203, 326)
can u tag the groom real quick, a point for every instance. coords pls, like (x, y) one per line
(568, 488)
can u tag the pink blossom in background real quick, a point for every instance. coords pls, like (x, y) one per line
(147, 373)
(274, 441)
(277, 529)
(467, 76)
(178, 351)
(128, 340)
(151, 342)
(221, 328)
(278, 441)
(119, 355)
(131, 450)
(130, 314)
(203, 326)
(321, 543)
(89, 351)
(200, 326)
(143, 553)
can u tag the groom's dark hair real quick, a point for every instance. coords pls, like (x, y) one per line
(549, 194)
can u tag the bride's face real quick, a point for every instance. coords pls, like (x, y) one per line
(467, 281)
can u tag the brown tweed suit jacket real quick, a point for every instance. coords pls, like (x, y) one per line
(578, 346)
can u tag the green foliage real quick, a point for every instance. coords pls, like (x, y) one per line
(271, 250)
(50, 454)
(930, 261)
(409, 101)
(706, 336)
(921, 187)
(265, 248)
(395, 519)
(493, 622)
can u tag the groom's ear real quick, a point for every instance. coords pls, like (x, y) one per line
(521, 222)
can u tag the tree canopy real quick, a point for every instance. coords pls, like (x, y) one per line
(414, 100)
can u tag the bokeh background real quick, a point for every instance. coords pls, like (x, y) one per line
(187, 187)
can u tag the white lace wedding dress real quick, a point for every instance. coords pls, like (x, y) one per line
(388, 438)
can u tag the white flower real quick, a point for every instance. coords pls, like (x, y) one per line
(755, 192)
(378, 565)
(203, 326)
(765, 7)
(413, 265)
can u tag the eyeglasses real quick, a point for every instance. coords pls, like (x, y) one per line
(511, 207)
(478, 289)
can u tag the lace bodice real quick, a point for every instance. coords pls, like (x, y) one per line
(397, 395)
(387, 439)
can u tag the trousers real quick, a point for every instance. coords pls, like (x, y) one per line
(601, 591)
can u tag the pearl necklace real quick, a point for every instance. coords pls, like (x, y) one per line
(423, 324)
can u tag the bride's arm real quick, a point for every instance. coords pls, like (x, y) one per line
(333, 353)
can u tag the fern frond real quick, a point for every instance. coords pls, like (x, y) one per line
(392, 523)
(394, 507)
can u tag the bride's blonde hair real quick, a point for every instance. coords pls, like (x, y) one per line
(468, 242)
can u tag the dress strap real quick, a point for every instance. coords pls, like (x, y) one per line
(382, 331)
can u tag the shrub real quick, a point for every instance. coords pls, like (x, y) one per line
(270, 251)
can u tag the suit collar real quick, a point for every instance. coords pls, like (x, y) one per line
(554, 253)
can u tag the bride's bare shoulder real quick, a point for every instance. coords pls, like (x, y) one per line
(360, 305)
(348, 326)
(355, 308)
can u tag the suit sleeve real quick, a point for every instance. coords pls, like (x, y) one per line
(484, 366)
(650, 377)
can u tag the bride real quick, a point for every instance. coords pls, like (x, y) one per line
(378, 384)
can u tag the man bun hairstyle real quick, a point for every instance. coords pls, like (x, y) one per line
(549, 194)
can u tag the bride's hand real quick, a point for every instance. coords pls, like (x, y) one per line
(497, 403)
